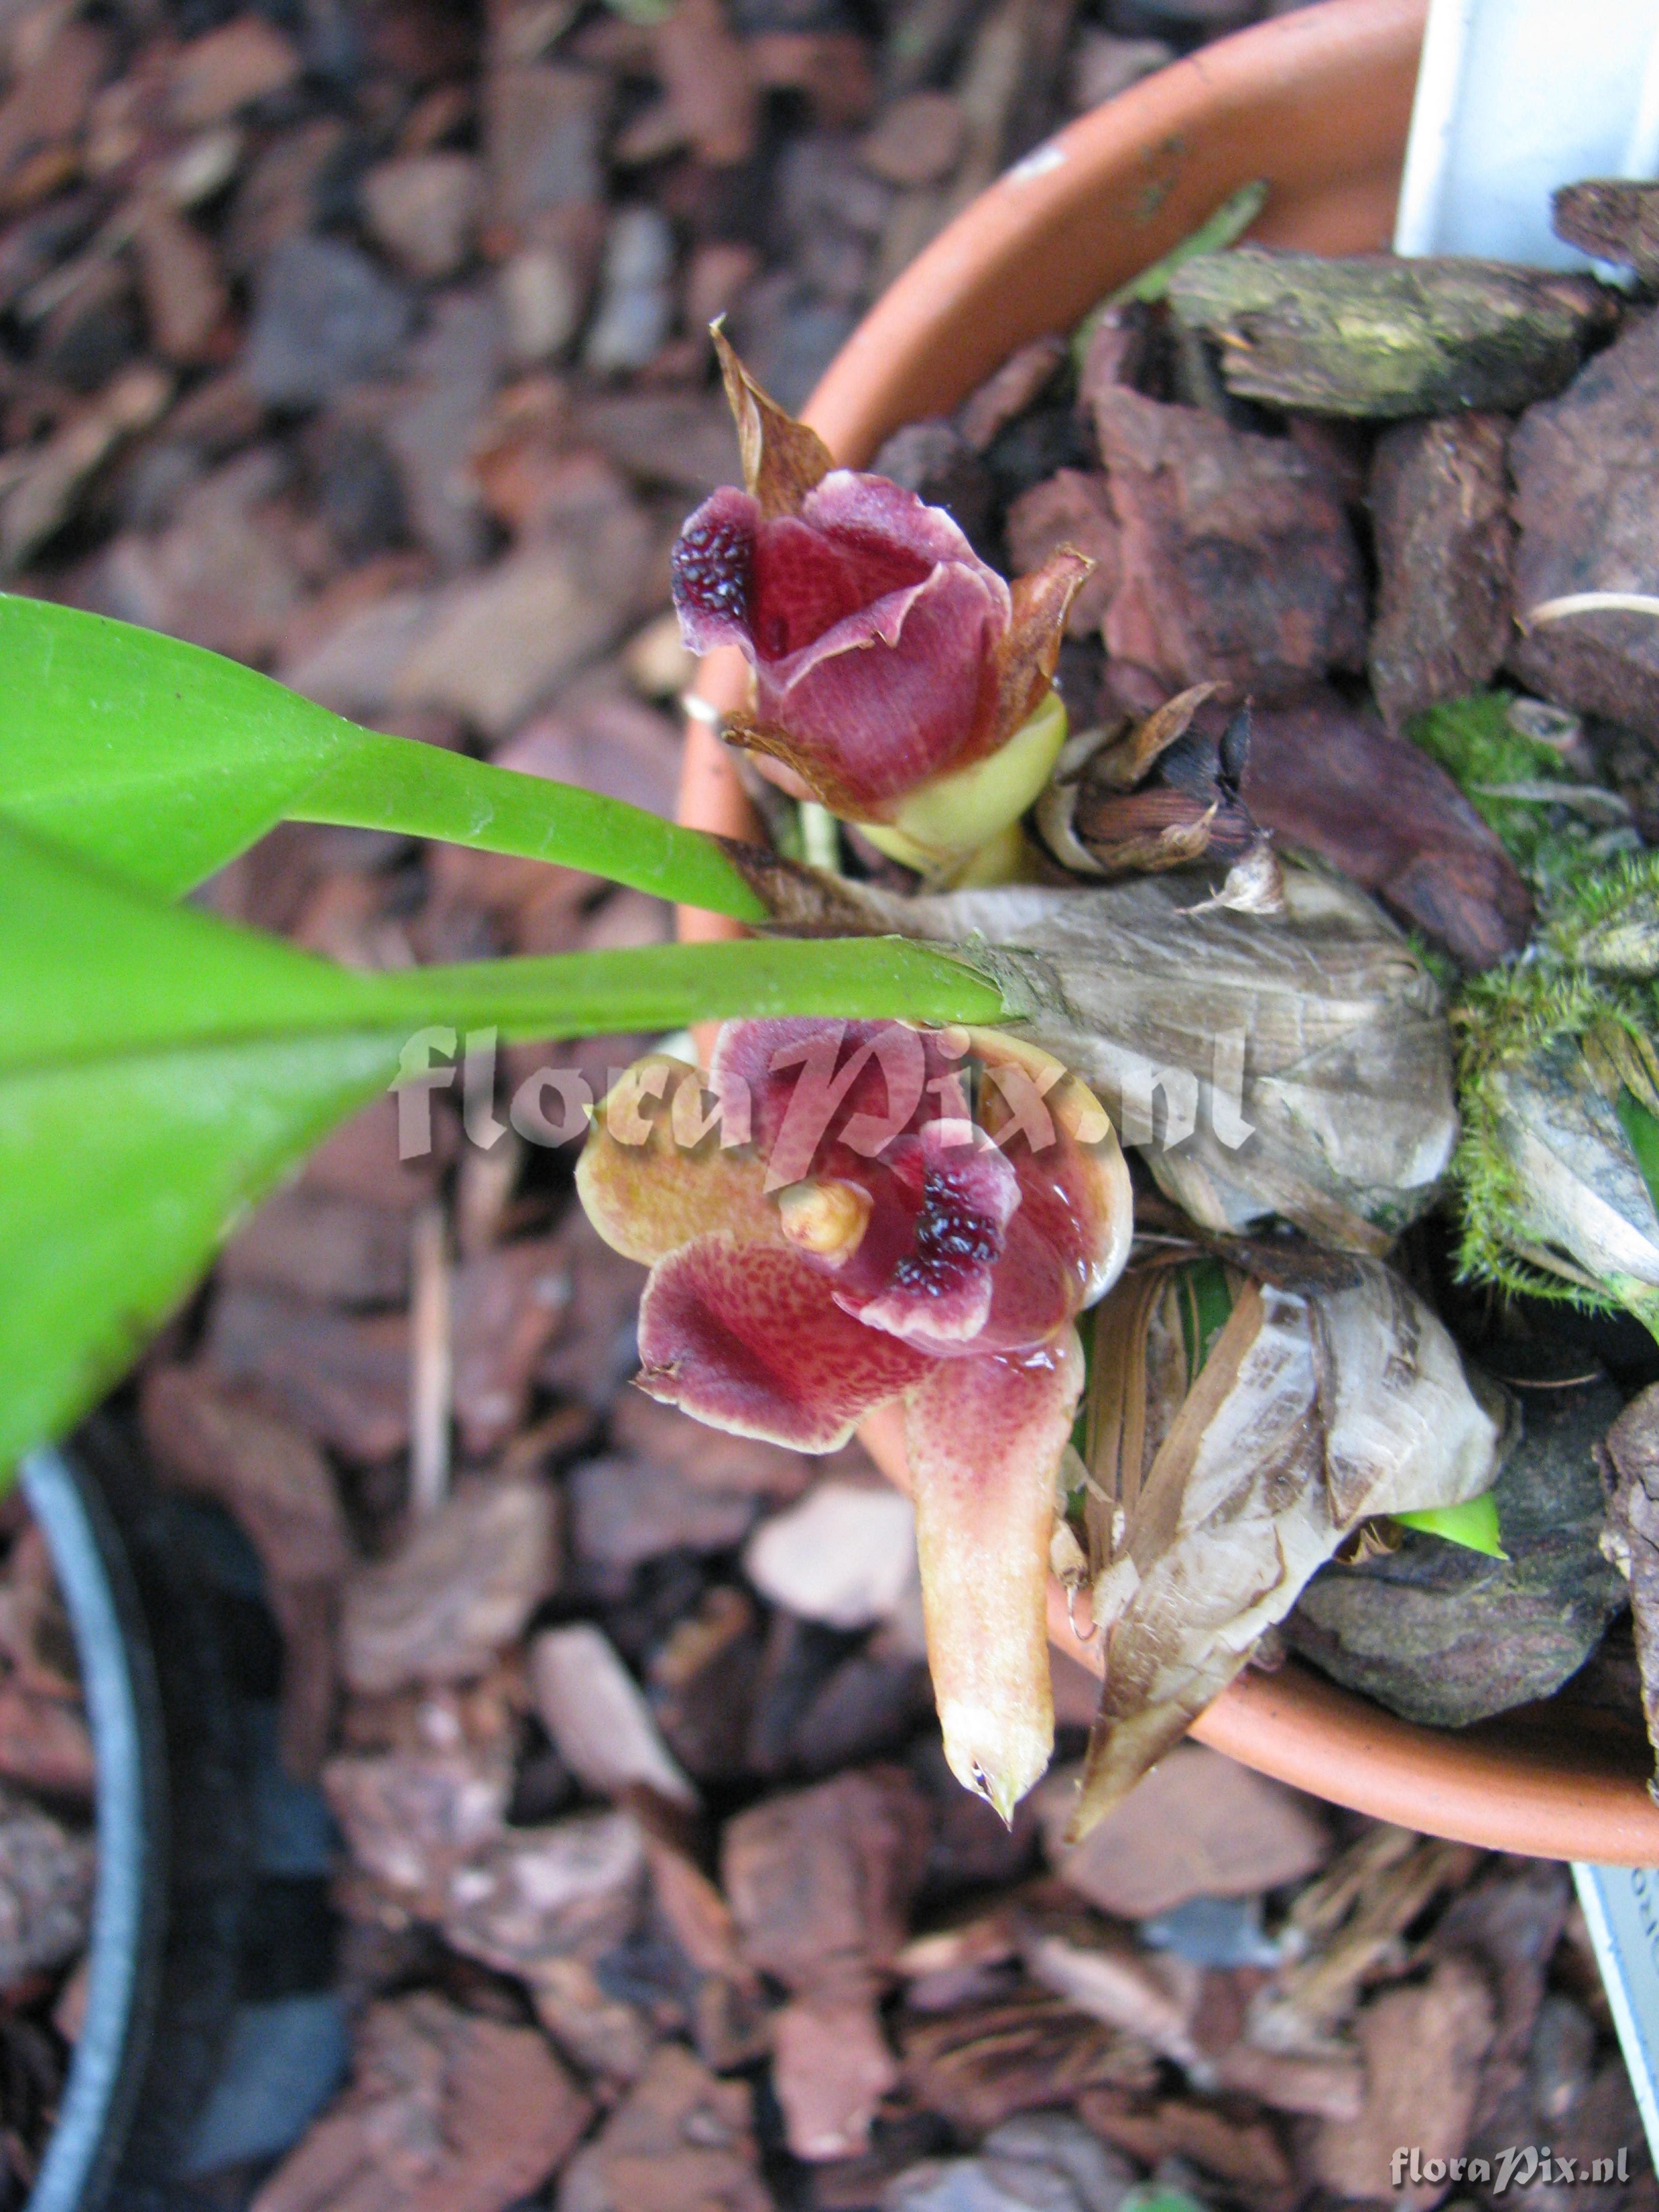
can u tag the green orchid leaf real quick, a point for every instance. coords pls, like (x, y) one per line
(119, 1178)
(1641, 1131)
(161, 1070)
(1474, 1524)
(141, 1110)
(160, 762)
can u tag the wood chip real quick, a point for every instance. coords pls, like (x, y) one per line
(845, 1555)
(820, 1879)
(1197, 1826)
(412, 1817)
(598, 1718)
(462, 1587)
(446, 2112)
(244, 60)
(681, 2141)
(1423, 2049)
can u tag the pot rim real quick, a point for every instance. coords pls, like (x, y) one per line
(112, 1646)
(1318, 103)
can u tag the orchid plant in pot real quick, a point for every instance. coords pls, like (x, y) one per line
(919, 1220)
(895, 1186)
(897, 1190)
(1317, 108)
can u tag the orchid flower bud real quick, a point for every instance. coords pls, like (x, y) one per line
(898, 677)
(901, 1214)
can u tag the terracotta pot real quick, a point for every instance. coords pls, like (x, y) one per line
(1318, 104)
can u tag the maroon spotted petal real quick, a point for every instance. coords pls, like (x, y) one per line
(895, 694)
(713, 571)
(748, 1339)
(805, 582)
(827, 1096)
(855, 1102)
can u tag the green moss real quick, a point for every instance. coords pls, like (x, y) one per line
(1606, 918)
(1504, 1020)
(1473, 738)
(1478, 745)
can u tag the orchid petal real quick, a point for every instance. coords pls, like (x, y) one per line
(647, 1189)
(748, 1339)
(847, 1100)
(828, 1096)
(806, 582)
(855, 508)
(985, 1438)
(890, 695)
(1075, 1184)
(712, 570)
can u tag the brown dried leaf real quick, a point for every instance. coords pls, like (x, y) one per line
(1030, 646)
(1309, 1414)
(1122, 766)
(1148, 832)
(782, 459)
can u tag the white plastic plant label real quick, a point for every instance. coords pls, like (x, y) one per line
(1514, 97)
(1621, 1906)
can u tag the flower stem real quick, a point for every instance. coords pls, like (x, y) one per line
(820, 837)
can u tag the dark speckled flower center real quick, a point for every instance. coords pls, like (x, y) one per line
(714, 567)
(952, 1236)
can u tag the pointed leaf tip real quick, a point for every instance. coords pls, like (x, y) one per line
(782, 459)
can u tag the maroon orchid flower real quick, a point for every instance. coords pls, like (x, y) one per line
(900, 679)
(885, 1213)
